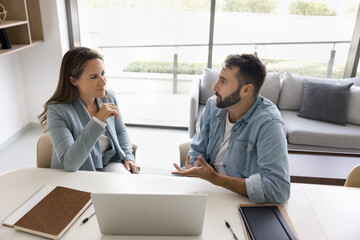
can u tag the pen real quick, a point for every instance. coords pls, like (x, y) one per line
(87, 219)
(229, 227)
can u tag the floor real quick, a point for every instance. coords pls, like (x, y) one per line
(157, 149)
(155, 109)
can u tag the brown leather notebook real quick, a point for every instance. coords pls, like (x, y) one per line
(55, 213)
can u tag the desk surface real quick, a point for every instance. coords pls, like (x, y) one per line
(316, 211)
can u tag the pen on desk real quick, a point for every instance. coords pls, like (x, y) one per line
(87, 219)
(229, 227)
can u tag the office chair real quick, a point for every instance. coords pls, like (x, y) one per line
(184, 150)
(44, 151)
(353, 179)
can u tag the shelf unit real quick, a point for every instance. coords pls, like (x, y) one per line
(22, 24)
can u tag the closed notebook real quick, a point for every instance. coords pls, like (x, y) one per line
(55, 213)
(266, 223)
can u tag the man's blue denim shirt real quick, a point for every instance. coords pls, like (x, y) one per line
(257, 148)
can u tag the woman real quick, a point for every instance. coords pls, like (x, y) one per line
(83, 119)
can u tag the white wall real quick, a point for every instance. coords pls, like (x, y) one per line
(29, 77)
(41, 63)
(14, 114)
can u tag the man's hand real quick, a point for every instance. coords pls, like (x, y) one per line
(205, 171)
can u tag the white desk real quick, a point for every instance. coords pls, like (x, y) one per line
(316, 211)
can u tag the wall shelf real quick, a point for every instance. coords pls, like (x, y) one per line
(23, 24)
(7, 24)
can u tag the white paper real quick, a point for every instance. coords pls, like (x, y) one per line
(27, 205)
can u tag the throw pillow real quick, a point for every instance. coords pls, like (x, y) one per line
(353, 113)
(271, 87)
(293, 86)
(291, 92)
(325, 102)
(208, 79)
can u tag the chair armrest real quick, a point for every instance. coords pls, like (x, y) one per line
(194, 106)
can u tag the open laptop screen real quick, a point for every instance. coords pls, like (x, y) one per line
(150, 213)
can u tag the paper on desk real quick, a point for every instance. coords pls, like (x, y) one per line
(19, 212)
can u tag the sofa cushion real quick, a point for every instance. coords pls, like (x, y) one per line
(325, 101)
(292, 89)
(271, 87)
(305, 131)
(208, 79)
(353, 106)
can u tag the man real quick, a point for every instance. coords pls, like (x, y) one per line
(241, 144)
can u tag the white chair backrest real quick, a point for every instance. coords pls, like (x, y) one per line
(353, 180)
(184, 150)
(44, 151)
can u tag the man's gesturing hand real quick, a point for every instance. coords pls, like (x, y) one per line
(201, 169)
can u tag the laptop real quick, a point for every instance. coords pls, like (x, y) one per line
(150, 213)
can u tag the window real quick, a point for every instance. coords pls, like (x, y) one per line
(297, 36)
(153, 49)
(143, 41)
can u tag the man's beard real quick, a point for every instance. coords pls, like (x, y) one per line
(229, 100)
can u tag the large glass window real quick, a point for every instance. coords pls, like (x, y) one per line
(297, 36)
(153, 49)
(143, 43)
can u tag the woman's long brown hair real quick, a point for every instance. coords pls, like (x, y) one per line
(72, 65)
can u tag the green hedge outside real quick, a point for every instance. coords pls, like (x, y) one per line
(313, 69)
(311, 8)
(251, 6)
(164, 67)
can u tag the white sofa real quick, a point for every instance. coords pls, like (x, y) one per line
(287, 93)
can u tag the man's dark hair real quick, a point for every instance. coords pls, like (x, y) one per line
(251, 70)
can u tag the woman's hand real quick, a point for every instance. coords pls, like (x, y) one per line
(130, 164)
(107, 110)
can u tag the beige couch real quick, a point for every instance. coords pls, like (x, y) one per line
(287, 93)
